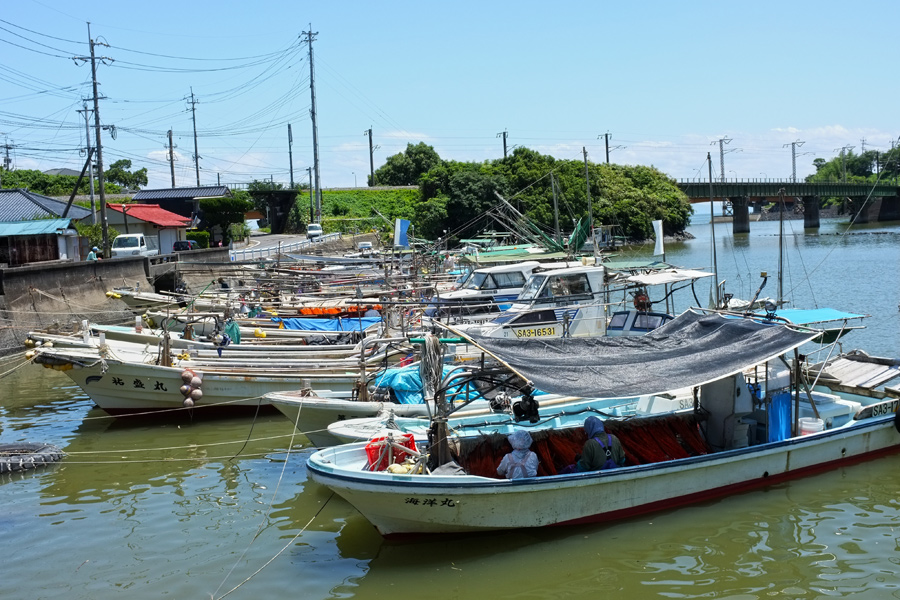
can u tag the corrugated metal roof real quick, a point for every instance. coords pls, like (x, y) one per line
(152, 213)
(22, 205)
(209, 191)
(38, 227)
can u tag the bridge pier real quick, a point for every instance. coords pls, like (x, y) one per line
(740, 214)
(859, 209)
(889, 209)
(811, 212)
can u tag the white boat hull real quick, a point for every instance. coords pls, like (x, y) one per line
(127, 388)
(401, 505)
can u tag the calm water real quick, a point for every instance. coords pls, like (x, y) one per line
(166, 509)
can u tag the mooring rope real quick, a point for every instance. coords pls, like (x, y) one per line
(265, 518)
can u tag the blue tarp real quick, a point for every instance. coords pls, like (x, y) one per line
(407, 384)
(342, 324)
(780, 417)
(810, 316)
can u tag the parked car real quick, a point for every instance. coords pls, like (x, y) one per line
(134, 244)
(313, 230)
(184, 245)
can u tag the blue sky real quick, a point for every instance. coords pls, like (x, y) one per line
(665, 79)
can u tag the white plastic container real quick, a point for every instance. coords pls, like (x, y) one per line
(810, 425)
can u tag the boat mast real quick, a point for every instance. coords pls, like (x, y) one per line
(555, 209)
(712, 228)
(779, 299)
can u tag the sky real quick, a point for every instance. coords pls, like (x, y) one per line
(666, 80)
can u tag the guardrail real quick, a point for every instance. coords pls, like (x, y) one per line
(262, 253)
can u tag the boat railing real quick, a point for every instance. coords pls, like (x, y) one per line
(251, 254)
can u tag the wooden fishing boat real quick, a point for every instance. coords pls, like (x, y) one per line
(674, 459)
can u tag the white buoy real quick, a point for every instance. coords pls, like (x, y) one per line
(188, 403)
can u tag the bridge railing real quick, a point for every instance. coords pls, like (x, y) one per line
(251, 254)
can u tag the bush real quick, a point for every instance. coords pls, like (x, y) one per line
(201, 237)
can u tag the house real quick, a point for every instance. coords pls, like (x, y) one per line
(40, 240)
(184, 201)
(21, 205)
(151, 220)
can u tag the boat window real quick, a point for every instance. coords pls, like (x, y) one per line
(503, 319)
(531, 289)
(647, 321)
(509, 280)
(570, 285)
(618, 320)
(536, 316)
(476, 281)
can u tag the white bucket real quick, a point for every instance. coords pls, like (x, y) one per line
(809, 425)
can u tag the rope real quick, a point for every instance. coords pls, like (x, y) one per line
(265, 517)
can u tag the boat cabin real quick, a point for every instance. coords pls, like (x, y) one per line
(483, 291)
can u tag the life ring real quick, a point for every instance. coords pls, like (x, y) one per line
(27, 455)
(642, 302)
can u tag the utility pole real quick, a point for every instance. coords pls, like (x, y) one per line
(843, 150)
(503, 134)
(863, 146)
(104, 223)
(87, 141)
(793, 146)
(194, 118)
(372, 149)
(291, 154)
(310, 37)
(312, 212)
(172, 158)
(721, 142)
(605, 136)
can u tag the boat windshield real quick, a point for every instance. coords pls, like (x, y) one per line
(531, 289)
(477, 281)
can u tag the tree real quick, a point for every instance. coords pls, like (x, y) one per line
(119, 174)
(223, 212)
(407, 167)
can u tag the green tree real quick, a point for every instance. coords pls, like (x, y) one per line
(224, 212)
(407, 167)
(119, 174)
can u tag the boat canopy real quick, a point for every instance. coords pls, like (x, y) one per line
(813, 316)
(668, 276)
(692, 349)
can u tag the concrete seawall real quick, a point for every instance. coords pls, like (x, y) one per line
(62, 294)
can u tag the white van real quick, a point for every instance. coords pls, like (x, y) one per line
(313, 230)
(134, 244)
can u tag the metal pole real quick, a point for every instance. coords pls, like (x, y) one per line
(87, 139)
(312, 211)
(172, 158)
(196, 152)
(587, 183)
(291, 154)
(371, 159)
(104, 223)
(312, 113)
(779, 300)
(606, 137)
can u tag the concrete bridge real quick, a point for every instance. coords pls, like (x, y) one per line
(872, 203)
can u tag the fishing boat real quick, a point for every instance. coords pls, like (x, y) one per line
(582, 301)
(674, 458)
(125, 378)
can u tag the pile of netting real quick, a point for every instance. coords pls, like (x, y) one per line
(645, 440)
